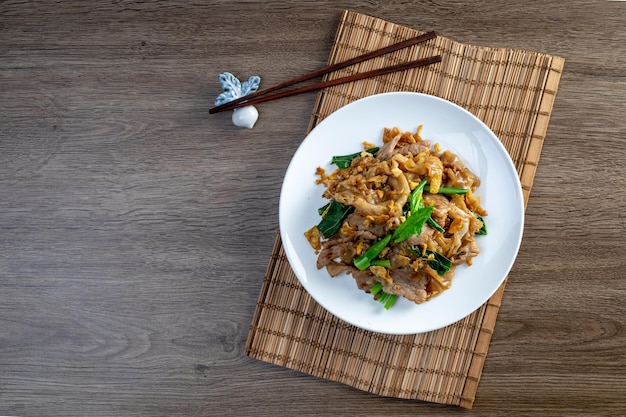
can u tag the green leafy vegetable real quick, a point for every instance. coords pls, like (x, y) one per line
(416, 202)
(344, 161)
(448, 190)
(364, 261)
(483, 230)
(415, 199)
(412, 225)
(322, 209)
(439, 263)
(333, 217)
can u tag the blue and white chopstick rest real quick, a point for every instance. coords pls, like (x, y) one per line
(233, 89)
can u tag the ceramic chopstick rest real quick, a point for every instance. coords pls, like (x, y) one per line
(233, 89)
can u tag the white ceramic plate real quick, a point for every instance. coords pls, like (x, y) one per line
(343, 132)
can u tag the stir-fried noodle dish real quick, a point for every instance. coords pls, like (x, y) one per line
(400, 218)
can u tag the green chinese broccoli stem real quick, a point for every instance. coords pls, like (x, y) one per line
(387, 300)
(384, 298)
(376, 288)
(381, 262)
(362, 262)
(435, 225)
(447, 190)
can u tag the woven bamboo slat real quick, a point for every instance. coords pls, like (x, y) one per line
(513, 92)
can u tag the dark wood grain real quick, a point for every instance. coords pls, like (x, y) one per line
(135, 228)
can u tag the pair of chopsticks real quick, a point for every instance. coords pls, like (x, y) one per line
(263, 95)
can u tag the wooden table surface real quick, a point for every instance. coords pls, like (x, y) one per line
(135, 228)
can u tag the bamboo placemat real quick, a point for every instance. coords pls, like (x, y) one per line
(513, 92)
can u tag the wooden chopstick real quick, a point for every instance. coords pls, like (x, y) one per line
(325, 70)
(349, 78)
